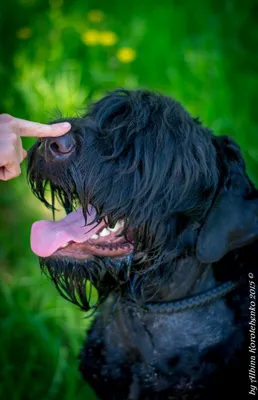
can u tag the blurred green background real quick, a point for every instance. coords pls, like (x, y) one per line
(60, 54)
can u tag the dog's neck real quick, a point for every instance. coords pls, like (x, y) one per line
(134, 333)
(189, 277)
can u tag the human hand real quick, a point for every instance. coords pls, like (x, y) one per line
(11, 150)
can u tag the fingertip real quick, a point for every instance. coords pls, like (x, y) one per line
(62, 126)
(66, 125)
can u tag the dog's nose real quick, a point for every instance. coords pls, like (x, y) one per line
(59, 147)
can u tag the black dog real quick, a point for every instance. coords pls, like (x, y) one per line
(166, 231)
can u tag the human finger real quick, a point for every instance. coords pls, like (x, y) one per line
(34, 129)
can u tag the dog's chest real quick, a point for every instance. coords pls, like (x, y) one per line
(157, 351)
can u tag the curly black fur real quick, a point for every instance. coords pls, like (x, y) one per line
(185, 195)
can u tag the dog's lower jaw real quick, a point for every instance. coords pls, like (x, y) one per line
(135, 355)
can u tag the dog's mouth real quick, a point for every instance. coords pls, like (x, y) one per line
(71, 237)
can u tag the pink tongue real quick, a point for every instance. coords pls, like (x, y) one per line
(48, 236)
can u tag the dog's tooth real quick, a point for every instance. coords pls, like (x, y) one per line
(114, 229)
(64, 245)
(104, 232)
(117, 226)
(95, 236)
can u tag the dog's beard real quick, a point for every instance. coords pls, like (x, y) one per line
(87, 283)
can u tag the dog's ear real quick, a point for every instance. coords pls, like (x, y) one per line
(231, 223)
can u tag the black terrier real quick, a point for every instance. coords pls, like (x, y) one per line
(159, 241)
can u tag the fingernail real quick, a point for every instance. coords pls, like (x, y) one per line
(65, 125)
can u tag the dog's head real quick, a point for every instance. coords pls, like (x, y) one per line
(143, 184)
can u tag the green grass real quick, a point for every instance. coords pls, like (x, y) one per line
(202, 54)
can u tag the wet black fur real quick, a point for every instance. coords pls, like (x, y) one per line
(185, 194)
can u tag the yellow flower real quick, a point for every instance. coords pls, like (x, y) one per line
(126, 54)
(24, 33)
(107, 38)
(91, 37)
(95, 16)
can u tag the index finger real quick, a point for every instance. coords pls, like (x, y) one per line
(34, 129)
